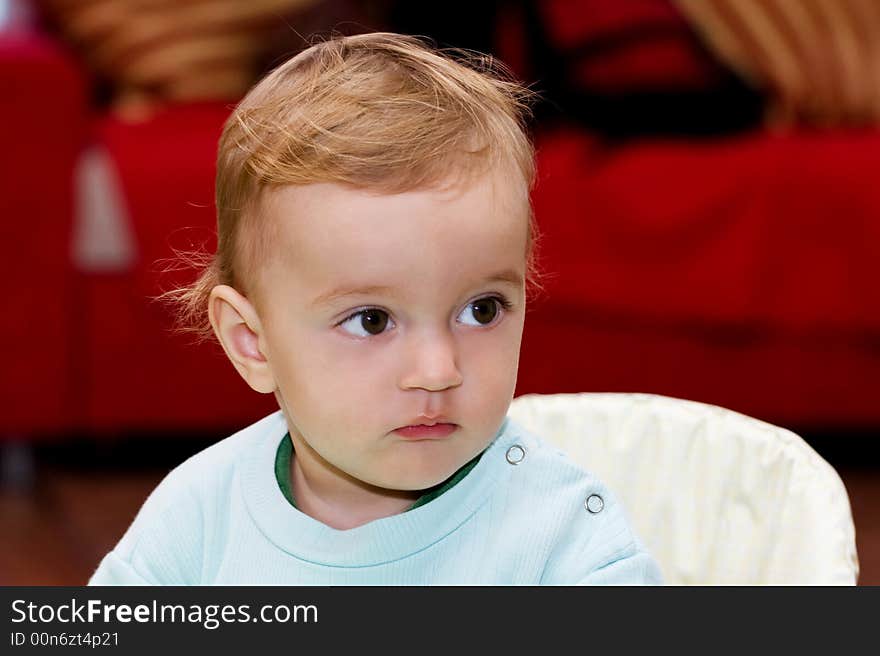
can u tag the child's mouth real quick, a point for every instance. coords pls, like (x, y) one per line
(423, 431)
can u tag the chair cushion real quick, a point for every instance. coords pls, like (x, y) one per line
(717, 497)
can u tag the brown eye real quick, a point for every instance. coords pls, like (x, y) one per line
(374, 321)
(482, 311)
(366, 323)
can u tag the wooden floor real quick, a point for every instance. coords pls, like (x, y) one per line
(57, 533)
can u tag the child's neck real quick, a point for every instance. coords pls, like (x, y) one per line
(340, 501)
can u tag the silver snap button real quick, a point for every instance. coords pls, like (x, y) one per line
(594, 503)
(515, 454)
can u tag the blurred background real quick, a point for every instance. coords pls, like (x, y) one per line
(707, 195)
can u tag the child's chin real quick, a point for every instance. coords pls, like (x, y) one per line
(425, 483)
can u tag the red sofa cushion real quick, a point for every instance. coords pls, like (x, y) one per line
(141, 375)
(776, 232)
(166, 167)
(43, 128)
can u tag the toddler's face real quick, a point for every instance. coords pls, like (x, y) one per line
(382, 311)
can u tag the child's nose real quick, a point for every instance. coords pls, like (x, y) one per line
(431, 363)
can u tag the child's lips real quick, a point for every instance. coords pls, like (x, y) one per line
(425, 432)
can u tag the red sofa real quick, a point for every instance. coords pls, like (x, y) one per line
(742, 272)
(737, 271)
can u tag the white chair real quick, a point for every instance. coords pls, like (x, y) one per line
(716, 496)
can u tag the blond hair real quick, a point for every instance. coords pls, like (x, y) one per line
(380, 111)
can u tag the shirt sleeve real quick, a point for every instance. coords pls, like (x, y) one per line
(163, 545)
(639, 568)
(600, 548)
(114, 570)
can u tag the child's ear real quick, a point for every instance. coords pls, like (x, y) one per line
(238, 328)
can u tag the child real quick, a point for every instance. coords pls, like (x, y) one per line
(375, 239)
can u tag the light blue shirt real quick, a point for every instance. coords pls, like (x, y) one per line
(525, 514)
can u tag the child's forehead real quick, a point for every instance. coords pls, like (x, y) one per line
(338, 236)
(497, 185)
(336, 216)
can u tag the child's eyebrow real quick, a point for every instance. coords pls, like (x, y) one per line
(508, 276)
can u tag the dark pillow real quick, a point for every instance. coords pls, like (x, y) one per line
(625, 68)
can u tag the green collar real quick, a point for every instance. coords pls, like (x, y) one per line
(282, 473)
